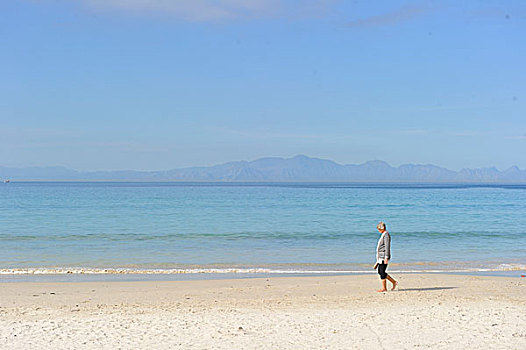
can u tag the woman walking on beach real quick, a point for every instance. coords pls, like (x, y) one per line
(383, 254)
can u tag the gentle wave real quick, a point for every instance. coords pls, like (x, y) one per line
(111, 271)
(247, 235)
(286, 184)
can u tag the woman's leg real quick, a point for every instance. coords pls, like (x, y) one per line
(383, 276)
(384, 286)
(392, 280)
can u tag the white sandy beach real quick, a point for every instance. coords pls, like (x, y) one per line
(428, 311)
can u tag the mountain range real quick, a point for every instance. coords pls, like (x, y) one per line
(298, 168)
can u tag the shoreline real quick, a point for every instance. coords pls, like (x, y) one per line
(339, 312)
(205, 276)
(80, 274)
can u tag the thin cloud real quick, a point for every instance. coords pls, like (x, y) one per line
(194, 10)
(401, 14)
(217, 10)
(33, 132)
(517, 137)
(120, 146)
(431, 108)
(267, 134)
(413, 132)
(466, 133)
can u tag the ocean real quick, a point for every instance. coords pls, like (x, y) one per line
(251, 229)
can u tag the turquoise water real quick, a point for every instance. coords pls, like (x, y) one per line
(252, 228)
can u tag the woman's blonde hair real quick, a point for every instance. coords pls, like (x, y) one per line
(381, 226)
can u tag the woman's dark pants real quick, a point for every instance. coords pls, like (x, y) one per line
(381, 271)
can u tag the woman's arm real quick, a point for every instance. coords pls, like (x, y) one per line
(387, 243)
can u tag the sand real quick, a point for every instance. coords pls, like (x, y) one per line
(430, 311)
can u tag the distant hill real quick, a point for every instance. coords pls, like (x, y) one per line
(298, 168)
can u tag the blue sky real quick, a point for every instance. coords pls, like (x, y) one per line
(160, 84)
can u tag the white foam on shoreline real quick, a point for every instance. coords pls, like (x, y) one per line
(115, 271)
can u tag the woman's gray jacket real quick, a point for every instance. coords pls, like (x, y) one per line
(383, 249)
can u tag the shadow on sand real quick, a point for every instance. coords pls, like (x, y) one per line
(424, 289)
